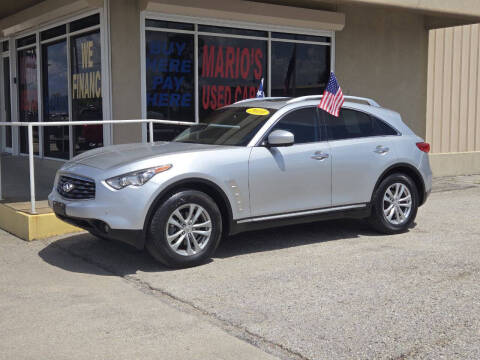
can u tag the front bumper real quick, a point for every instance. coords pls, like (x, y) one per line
(135, 238)
(121, 212)
(119, 209)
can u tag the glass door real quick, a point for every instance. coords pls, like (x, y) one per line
(27, 94)
(55, 99)
(7, 109)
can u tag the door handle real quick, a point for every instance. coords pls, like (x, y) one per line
(320, 155)
(381, 149)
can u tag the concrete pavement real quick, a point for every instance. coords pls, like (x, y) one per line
(329, 290)
(76, 310)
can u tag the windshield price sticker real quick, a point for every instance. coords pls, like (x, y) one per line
(257, 111)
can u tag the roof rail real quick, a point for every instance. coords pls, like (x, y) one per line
(260, 99)
(370, 102)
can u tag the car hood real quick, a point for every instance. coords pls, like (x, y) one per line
(115, 155)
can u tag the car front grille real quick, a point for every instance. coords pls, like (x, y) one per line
(76, 188)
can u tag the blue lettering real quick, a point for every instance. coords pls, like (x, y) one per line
(186, 100)
(160, 47)
(174, 65)
(162, 100)
(168, 83)
(178, 82)
(151, 64)
(162, 65)
(157, 80)
(180, 47)
(151, 99)
(174, 99)
(186, 66)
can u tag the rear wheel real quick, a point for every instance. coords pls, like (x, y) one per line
(394, 205)
(185, 230)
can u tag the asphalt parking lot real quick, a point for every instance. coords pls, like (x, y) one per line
(328, 290)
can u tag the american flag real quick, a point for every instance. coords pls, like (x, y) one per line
(332, 99)
(260, 92)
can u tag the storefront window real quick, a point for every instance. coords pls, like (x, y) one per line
(299, 69)
(170, 79)
(86, 84)
(231, 61)
(27, 93)
(229, 70)
(55, 99)
(66, 61)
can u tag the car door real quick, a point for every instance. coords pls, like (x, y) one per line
(292, 178)
(361, 149)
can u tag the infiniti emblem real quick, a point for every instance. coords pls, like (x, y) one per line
(67, 187)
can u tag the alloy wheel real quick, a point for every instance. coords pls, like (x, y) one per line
(188, 229)
(397, 204)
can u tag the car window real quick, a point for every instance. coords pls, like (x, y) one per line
(227, 126)
(382, 128)
(355, 124)
(350, 124)
(302, 123)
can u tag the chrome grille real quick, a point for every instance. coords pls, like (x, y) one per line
(80, 188)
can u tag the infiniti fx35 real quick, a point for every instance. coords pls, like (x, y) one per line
(254, 164)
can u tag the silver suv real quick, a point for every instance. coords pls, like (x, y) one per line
(254, 164)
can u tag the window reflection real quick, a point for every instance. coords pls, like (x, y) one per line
(55, 99)
(27, 93)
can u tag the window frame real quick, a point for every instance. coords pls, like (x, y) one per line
(372, 117)
(3, 130)
(196, 21)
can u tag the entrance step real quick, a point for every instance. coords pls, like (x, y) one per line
(17, 219)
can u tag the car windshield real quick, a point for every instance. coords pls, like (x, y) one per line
(227, 126)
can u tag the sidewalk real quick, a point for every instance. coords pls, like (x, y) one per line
(50, 313)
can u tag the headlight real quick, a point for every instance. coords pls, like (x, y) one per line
(136, 178)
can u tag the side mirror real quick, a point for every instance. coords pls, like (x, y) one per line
(280, 138)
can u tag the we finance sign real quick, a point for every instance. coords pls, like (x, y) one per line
(86, 77)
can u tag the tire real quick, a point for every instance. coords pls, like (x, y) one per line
(182, 251)
(384, 217)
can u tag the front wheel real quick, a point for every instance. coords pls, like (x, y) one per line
(394, 204)
(185, 230)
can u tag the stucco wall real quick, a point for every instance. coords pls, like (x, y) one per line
(383, 53)
(125, 68)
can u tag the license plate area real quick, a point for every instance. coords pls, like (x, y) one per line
(59, 208)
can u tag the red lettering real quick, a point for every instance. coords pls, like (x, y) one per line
(229, 60)
(245, 93)
(228, 95)
(213, 95)
(258, 63)
(219, 64)
(220, 97)
(253, 92)
(205, 96)
(237, 63)
(245, 63)
(208, 61)
(238, 93)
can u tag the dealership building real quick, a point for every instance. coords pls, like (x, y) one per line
(71, 60)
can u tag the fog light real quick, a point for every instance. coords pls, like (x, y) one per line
(106, 228)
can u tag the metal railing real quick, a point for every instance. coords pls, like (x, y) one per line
(30, 126)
